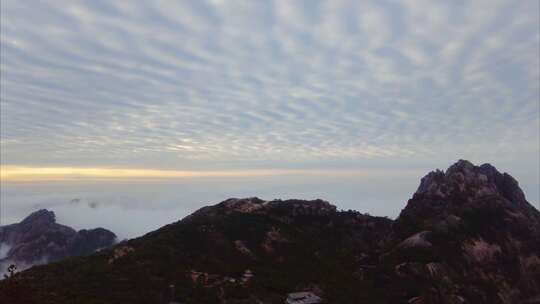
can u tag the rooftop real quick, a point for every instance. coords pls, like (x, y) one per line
(304, 297)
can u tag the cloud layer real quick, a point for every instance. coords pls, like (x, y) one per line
(247, 83)
(132, 208)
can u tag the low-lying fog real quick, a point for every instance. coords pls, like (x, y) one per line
(133, 208)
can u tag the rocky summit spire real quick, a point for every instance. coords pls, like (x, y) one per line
(466, 190)
(470, 182)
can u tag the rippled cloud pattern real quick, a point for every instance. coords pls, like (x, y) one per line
(189, 84)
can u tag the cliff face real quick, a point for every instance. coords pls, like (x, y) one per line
(466, 236)
(39, 239)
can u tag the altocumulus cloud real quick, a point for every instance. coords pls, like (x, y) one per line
(268, 83)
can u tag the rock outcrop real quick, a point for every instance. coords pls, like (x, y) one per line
(481, 230)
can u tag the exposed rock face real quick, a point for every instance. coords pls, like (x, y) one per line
(443, 198)
(39, 239)
(467, 235)
(481, 229)
(463, 178)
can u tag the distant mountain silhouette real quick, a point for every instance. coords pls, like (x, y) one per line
(466, 236)
(39, 239)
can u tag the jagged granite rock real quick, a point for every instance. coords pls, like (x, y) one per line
(484, 236)
(467, 235)
(39, 239)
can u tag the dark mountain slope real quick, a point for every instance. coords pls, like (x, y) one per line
(467, 236)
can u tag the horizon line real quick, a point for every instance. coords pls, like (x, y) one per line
(14, 173)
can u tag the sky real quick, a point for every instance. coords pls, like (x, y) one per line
(133, 104)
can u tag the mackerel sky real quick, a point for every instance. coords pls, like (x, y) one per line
(229, 85)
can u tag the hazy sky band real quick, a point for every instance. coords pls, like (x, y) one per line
(18, 173)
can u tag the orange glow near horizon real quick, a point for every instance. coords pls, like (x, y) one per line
(13, 173)
(23, 173)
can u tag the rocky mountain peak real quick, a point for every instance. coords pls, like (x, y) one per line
(42, 216)
(38, 238)
(464, 178)
(464, 190)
